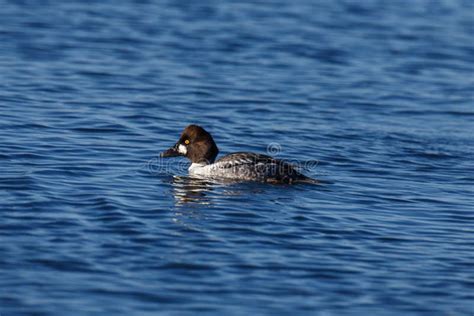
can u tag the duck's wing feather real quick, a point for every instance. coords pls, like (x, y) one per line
(259, 166)
(243, 158)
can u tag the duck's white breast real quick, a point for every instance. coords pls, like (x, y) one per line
(201, 170)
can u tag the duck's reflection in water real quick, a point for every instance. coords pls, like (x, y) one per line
(191, 197)
(197, 191)
(189, 191)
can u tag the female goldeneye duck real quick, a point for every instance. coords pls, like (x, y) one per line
(198, 146)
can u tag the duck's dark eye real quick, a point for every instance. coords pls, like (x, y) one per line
(187, 141)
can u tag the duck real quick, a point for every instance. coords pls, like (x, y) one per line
(197, 144)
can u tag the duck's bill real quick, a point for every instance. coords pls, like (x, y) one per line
(172, 152)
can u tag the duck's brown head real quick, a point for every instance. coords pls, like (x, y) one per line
(196, 144)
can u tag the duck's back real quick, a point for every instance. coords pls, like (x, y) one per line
(255, 167)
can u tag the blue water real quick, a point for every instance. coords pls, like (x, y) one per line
(379, 93)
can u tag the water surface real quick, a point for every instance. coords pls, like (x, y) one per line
(380, 94)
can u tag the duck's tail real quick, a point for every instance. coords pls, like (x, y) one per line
(305, 180)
